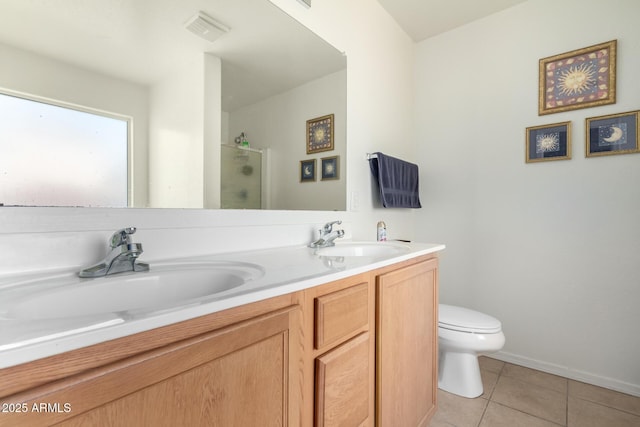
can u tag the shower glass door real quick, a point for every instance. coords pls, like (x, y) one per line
(241, 178)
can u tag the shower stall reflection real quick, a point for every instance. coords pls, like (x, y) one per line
(243, 184)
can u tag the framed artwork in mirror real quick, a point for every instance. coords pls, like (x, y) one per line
(308, 170)
(613, 134)
(578, 79)
(548, 142)
(320, 134)
(330, 168)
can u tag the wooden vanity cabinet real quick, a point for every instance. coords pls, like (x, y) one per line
(407, 344)
(243, 374)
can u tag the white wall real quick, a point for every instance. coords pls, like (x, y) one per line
(185, 128)
(212, 130)
(279, 123)
(176, 131)
(552, 249)
(33, 74)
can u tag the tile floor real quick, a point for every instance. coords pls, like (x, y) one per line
(515, 396)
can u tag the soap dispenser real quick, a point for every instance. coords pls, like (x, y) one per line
(382, 231)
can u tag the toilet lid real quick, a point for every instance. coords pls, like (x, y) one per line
(466, 320)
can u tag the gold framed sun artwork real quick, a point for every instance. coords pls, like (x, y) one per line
(320, 134)
(548, 142)
(578, 79)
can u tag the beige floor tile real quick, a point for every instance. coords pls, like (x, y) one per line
(500, 416)
(534, 377)
(516, 396)
(489, 380)
(458, 411)
(532, 399)
(605, 397)
(583, 413)
(489, 364)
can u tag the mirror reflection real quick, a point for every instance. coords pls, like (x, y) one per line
(194, 106)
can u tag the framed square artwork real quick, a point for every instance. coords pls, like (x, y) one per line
(308, 170)
(578, 79)
(613, 134)
(330, 168)
(548, 142)
(320, 134)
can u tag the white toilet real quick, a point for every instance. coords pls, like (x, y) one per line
(463, 335)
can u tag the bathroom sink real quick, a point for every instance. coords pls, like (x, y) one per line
(164, 286)
(363, 249)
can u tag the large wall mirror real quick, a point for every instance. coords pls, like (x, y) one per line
(194, 121)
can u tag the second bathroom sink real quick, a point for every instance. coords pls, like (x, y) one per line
(363, 249)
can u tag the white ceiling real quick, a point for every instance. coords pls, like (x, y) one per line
(265, 52)
(422, 19)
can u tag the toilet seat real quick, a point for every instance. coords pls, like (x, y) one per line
(464, 320)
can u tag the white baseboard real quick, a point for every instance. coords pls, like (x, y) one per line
(567, 372)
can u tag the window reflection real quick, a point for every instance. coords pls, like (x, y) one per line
(53, 155)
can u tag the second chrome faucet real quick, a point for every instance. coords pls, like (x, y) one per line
(327, 235)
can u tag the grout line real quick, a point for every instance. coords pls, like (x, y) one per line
(565, 424)
(484, 411)
(526, 381)
(490, 396)
(528, 414)
(605, 405)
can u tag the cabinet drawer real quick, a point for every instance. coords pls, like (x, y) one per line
(340, 313)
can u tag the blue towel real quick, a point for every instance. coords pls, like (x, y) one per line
(398, 181)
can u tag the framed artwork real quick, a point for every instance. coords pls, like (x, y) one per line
(548, 142)
(320, 134)
(613, 134)
(330, 168)
(308, 170)
(578, 79)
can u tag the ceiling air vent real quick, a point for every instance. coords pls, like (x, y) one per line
(205, 27)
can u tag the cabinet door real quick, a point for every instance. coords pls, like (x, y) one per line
(406, 345)
(241, 375)
(342, 384)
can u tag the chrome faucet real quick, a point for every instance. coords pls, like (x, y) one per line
(123, 256)
(327, 236)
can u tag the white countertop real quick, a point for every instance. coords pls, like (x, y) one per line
(286, 270)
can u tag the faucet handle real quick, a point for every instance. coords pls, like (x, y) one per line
(328, 227)
(122, 236)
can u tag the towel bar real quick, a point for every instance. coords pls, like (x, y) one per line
(371, 156)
